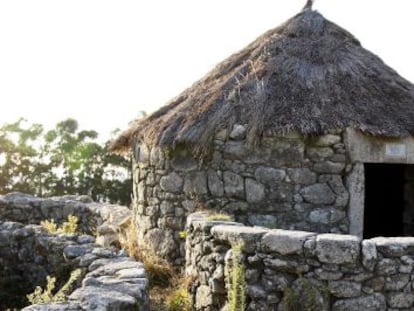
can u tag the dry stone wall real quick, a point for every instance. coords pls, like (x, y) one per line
(27, 209)
(112, 280)
(297, 270)
(287, 182)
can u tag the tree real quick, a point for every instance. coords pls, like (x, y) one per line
(64, 160)
(18, 156)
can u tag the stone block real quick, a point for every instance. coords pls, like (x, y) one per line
(215, 184)
(255, 192)
(396, 282)
(246, 236)
(256, 292)
(284, 265)
(400, 300)
(238, 132)
(285, 242)
(369, 254)
(303, 176)
(328, 167)
(195, 183)
(281, 192)
(204, 297)
(269, 175)
(326, 215)
(235, 150)
(327, 140)
(97, 298)
(166, 208)
(344, 289)
(233, 184)
(171, 183)
(318, 194)
(319, 154)
(283, 152)
(387, 266)
(375, 302)
(189, 205)
(337, 249)
(394, 246)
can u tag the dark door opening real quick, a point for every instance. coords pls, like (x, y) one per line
(384, 200)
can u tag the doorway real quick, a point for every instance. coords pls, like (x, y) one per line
(384, 200)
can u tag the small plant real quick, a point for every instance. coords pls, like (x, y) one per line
(48, 294)
(220, 216)
(68, 227)
(43, 295)
(236, 281)
(182, 234)
(179, 299)
(67, 288)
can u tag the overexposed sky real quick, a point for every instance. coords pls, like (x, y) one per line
(101, 62)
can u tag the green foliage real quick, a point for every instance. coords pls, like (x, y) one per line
(182, 234)
(48, 295)
(68, 227)
(43, 295)
(236, 281)
(64, 160)
(179, 300)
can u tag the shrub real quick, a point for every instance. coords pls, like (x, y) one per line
(182, 234)
(68, 227)
(236, 281)
(48, 294)
(179, 299)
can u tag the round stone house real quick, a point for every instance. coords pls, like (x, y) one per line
(303, 129)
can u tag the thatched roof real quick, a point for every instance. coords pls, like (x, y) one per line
(308, 75)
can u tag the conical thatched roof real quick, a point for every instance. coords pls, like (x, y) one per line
(308, 75)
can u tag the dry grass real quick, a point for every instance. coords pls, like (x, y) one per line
(68, 227)
(159, 271)
(168, 290)
(176, 297)
(220, 217)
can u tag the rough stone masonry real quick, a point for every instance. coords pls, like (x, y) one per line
(285, 268)
(111, 280)
(288, 182)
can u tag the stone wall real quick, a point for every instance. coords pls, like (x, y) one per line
(28, 254)
(287, 182)
(297, 270)
(111, 280)
(27, 209)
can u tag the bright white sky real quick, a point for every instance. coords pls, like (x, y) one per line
(101, 62)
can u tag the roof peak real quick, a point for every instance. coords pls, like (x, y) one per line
(308, 5)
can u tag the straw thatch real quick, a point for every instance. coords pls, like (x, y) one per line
(308, 75)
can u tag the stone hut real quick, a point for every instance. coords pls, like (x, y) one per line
(303, 129)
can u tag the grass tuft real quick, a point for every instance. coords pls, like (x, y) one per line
(220, 217)
(68, 227)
